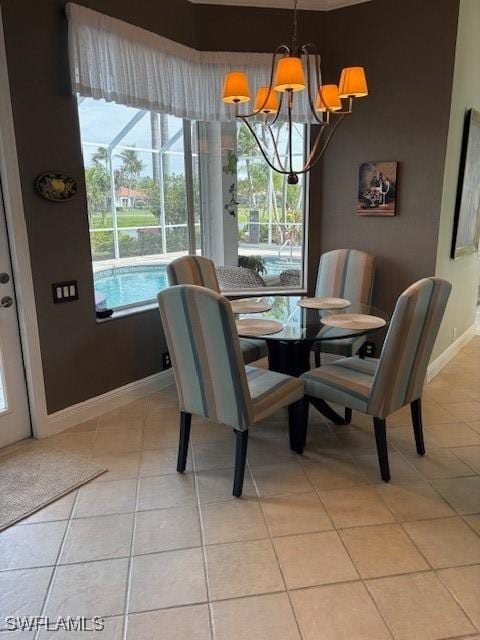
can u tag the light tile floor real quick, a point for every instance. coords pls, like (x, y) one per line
(318, 548)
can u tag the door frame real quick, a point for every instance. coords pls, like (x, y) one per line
(20, 253)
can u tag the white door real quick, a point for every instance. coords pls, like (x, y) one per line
(14, 414)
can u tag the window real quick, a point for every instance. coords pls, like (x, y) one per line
(138, 168)
(146, 180)
(270, 212)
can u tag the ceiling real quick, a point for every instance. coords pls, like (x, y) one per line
(311, 5)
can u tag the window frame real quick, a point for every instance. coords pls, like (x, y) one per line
(191, 223)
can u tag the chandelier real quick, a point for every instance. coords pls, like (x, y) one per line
(291, 72)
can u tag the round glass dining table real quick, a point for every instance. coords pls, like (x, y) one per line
(289, 349)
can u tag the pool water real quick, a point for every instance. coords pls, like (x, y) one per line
(275, 265)
(134, 284)
(124, 286)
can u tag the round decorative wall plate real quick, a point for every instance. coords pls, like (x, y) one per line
(56, 187)
(324, 303)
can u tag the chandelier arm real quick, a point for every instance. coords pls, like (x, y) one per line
(282, 48)
(310, 166)
(280, 101)
(275, 147)
(314, 147)
(265, 156)
(290, 146)
(309, 87)
(346, 112)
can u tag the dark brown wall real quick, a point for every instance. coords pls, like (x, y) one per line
(405, 118)
(81, 358)
(222, 28)
(408, 51)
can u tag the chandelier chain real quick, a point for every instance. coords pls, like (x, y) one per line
(295, 27)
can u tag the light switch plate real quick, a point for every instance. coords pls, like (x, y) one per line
(65, 291)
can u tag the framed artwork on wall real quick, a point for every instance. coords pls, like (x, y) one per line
(466, 223)
(377, 189)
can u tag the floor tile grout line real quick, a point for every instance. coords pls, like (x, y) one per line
(356, 568)
(234, 542)
(464, 518)
(211, 619)
(454, 597)
(55, 567)
(132, 537)
(292, 608)
(337, 530)
(452, 449)
(377, 607)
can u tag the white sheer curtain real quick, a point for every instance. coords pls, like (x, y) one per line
(120, 62)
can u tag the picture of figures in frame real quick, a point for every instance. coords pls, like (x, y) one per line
(377, 189)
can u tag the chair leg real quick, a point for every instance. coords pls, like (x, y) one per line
(318, 362)
(298, 424)
(240, 459)
(185, 422)
(382, 451)
(348, 415)
(416, 410)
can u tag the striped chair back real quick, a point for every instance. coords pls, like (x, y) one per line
(406, 352)
(193, 270)
(346, 273)
(206, 357)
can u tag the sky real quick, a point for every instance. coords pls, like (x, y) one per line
(101, 122)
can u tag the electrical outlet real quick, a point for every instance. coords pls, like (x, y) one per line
(454, 334)
(368, 349)
(167, 363)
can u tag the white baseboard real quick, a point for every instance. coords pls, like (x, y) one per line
(94, 407)
(450, 352)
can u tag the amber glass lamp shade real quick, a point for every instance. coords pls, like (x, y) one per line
(289, 75)
(328, 98)
(235, 87)
(266, 100)
(353, 83)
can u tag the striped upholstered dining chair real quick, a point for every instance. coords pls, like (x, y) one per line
(380, 387)
(344, 273)
(212, 380)
(201, 272)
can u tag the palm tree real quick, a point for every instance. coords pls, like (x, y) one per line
(101, 156)
(246, 146)
(132, 166)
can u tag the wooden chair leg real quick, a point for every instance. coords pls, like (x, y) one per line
(348, 415)
(416, 410)
(298, 424)
(240, 459)
(382, 451)
(318, 361)
(185, 422)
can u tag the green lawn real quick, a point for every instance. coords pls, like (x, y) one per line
(125, 218)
